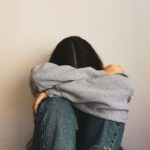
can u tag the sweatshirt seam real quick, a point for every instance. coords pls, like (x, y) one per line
(59, 90)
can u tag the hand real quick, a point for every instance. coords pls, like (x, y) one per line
(38, 98)
(112, 69)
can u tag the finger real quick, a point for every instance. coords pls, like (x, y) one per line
(35, 106)
(40, 97)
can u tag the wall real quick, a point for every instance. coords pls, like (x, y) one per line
(30, 29)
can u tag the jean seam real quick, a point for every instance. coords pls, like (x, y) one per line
(115, 136)
(42, 137)
(41, 110)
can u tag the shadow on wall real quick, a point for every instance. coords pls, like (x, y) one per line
(17, 119)
(27, 102)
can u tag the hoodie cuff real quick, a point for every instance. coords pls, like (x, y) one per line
(55, 91)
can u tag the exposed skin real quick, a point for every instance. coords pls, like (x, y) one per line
(110, 69)
(37, 100)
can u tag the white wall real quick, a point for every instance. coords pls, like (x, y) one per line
(29, 30)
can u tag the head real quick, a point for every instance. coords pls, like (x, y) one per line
(76, 52)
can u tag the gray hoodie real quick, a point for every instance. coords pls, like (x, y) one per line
(92, 91)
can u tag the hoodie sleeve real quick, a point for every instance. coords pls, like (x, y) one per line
(82, 85)
(48, 76)
(106, 97)
(110, 91)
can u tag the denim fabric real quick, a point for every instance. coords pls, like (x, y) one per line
(61, 126)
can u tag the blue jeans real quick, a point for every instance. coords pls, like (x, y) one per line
(61, 126)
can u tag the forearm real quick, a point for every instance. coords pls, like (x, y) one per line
(46, 76)
(99, 90)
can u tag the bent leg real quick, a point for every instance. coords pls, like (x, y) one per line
(97, 133)
(56, 125)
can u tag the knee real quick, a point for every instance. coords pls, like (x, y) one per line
(56, 105)
(58, 109)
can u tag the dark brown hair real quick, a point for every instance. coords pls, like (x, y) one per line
(76, 52)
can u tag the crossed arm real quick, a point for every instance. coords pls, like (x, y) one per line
(40, 96)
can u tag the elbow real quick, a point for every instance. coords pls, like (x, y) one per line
(34, 75)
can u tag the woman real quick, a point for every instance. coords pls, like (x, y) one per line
(77, 101)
